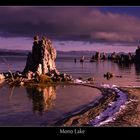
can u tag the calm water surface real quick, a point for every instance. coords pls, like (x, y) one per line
(33, 106)
(130, 73)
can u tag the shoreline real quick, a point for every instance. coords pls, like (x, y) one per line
(130, 116)
(80, 118)
(91, 115)
(126, 114)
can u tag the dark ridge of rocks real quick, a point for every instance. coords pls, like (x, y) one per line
(122, 58)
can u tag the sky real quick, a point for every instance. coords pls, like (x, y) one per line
(96, 28)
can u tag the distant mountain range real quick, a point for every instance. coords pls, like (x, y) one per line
(25, 52)
(6, 52)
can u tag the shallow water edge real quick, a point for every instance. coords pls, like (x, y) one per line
(103, 111)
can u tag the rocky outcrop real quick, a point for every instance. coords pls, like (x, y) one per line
(40, 64)
(42, 58)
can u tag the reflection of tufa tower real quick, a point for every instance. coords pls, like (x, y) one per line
(42, 58)
(42, 98)
(49, 96)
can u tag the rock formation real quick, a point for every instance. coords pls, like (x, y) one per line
(137, 56)
(40, 64)
(42, 58)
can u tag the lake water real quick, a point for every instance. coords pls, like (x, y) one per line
(65, 64)
(39, 105)
(34, 106)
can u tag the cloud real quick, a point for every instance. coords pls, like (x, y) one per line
(69, 23)
(112, 37)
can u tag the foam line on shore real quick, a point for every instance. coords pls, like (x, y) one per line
(114, 108)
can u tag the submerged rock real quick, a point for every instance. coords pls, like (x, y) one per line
(109, 75)
(91, 80)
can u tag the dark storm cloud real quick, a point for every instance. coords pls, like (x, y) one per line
(69, 23)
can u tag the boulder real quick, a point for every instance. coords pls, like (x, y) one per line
(109, 75)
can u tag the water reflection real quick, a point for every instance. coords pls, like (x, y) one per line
(137, 68)
(124, 66)
(42, 98)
